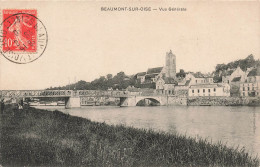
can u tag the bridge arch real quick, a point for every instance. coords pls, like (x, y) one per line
(154, 100)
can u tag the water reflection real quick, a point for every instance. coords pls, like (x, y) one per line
(232, 125)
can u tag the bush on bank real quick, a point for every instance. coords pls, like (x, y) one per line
(35, 137)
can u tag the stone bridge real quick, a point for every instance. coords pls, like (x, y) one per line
(73, 97)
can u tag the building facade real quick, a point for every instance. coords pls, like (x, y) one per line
(209, 90)
(234, 76)
(251, 86)
(165, 86)
(141, 77)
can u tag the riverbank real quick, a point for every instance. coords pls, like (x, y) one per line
(36, 137)
(223, 101)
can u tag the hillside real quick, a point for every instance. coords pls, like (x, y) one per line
(244, 64)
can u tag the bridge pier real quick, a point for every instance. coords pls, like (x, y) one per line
(128, 102)
(72, 102)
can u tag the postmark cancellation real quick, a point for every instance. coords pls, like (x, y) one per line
(23, 37)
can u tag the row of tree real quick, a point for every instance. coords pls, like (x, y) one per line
(119, 81)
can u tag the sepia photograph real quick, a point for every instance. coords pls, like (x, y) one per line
(129, 83)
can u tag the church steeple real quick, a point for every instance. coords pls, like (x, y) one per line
(170, 65)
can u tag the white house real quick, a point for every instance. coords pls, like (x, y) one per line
(209, 90)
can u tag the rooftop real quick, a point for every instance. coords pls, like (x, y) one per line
(199, 75)
(206, 86)
(148, 76)
(169, 81)
(236, 79)
(154, 70)
(141, 74)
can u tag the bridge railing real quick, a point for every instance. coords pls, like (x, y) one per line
(61, 93)
(35, 93)
(102, 93)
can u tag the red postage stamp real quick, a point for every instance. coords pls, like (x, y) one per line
(23, 37)
(21, 34)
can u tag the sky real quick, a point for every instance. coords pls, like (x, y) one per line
(85, 43)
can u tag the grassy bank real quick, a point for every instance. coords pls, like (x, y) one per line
(37, 137)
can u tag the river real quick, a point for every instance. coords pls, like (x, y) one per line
(234, 126)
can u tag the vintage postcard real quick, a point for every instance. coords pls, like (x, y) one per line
(130, 83)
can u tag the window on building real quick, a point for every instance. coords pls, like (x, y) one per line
(209, 90)
(196, 81)
(169, 92)
(192, 91)
(203, 90)
(214, 89)
(198, 91)
(248, 88)
(243, 88)
(243, 93)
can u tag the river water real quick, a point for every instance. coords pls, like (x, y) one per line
(234, 126)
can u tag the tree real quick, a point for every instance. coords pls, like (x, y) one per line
(181, 73)
(109, 76)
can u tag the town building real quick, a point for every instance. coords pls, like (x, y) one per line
(237, 75)
(165, 85)
(198, 78)
(181, 89)
(209, 90)
(234, 77)
(141, 77)
(251, 86)
(152, 73)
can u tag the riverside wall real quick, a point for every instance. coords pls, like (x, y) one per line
(223, 101)
(176, 100)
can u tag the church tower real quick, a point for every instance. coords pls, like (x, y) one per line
(170, 65)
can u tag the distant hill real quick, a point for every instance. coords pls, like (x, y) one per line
(244, 64)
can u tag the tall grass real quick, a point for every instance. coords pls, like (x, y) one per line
(35, 137)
